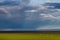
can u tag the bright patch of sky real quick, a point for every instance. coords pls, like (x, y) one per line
(43, 1)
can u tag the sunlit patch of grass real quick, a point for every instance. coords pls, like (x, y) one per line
(29, 36)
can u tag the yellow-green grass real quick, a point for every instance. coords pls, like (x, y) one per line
(29, 36)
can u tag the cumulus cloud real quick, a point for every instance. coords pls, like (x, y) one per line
(31, 11)
(49, 17)
(4, 13)
(41, 7)
(58, 10)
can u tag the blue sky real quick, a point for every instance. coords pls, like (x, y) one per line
(43, 1)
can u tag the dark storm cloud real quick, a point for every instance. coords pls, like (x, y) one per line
(13, 2)
(17, 15)
(56, 5)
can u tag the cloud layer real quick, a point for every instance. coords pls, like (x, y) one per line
(49, 28)
(18, 14)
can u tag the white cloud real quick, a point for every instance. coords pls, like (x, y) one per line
(7, 30)
(16, 29)
(6, 11)
(48, 28)
(41, 7)
(48, 0)
(58, 10)
(49, 6)
(31, 11)
(47, 17)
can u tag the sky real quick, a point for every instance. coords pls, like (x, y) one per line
(18, 14)
(39, 1)
(43, 1)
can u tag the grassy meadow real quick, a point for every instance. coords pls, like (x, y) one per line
(29, 36)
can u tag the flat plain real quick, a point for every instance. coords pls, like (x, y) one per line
(29, 36)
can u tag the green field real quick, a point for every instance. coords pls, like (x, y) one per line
(29, 36)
